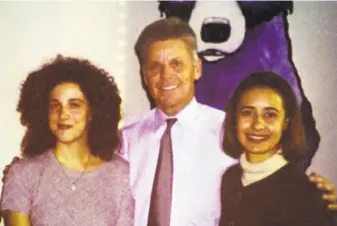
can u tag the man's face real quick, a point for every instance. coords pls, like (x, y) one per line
(170, 70)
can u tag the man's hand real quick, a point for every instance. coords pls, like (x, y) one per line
(5, 171)
(327, 188)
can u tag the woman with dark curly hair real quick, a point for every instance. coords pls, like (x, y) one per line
(263, 129)
(70, 174)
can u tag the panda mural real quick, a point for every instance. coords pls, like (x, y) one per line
(236, 38)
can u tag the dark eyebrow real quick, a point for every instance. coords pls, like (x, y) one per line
(77, 99)
(53, 100)
(266, 108)
(247, 107)
(71, 100)
(272, 109)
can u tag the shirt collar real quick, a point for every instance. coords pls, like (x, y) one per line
(186, 116)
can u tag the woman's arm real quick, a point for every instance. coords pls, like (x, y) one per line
(14, 218)
(127, 204)
(16, 195)
(126, 213)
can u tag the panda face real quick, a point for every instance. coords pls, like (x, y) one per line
(219, 27)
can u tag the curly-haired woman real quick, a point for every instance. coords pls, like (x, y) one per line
(70, 174)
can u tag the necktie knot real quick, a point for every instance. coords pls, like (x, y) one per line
(170, 122)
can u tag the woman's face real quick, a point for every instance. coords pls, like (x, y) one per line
(69, 113)
(260, 122)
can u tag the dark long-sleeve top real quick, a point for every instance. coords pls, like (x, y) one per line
(285, 198)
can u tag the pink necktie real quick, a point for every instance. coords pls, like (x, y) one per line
(160, 206)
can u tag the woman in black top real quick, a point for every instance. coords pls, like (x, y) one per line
(263, 128)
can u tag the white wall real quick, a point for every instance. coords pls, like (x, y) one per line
(105, 32)
(313, 30)
(31, 33)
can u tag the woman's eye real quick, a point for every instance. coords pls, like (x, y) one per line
(271, 115)
(74, 105)
(246, 113)
(54, 106)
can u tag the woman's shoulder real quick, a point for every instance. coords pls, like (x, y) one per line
(118, 165)
(25, 173)
(232, 177)
(31, 165)
(232, 171)
(294, 174)
(115, 173)
(302, 197)
(299, 190)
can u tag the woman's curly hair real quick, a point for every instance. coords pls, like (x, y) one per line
(99, 88)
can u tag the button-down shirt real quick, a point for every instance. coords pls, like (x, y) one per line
(198, 163)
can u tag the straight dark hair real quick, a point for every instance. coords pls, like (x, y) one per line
(293, 138)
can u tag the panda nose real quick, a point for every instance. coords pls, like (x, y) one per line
(215, 30)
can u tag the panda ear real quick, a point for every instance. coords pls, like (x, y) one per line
(180, 9)
(162, 8)
(257, 12)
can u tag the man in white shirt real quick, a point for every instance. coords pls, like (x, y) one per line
(170, 67)
(166, 50)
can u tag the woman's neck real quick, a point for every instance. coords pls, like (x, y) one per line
(76, 156)
(253, 172)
